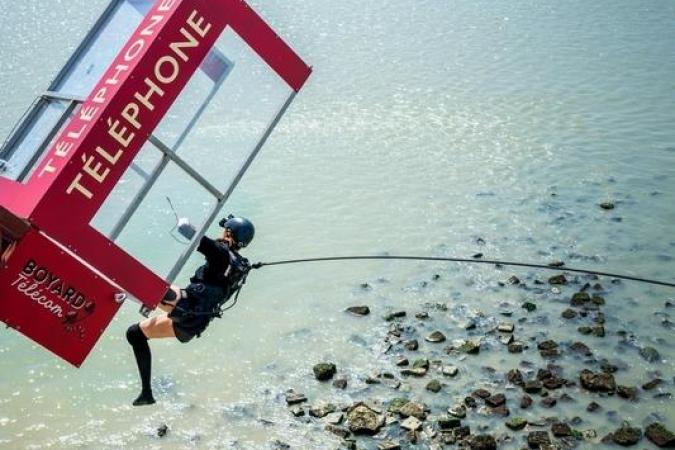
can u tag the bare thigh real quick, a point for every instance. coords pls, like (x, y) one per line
(158, 327)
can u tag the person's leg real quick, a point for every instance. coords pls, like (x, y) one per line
(138, 335)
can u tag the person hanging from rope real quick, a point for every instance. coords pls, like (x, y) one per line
(190, 310)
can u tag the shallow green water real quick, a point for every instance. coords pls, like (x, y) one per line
(426, 125)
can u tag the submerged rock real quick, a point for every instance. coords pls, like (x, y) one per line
(660, 436)
(650, 354)
(162, 430)
(607, 205)
(560, 429)
(436, 337)
(626, 435)
(517, 423)
(434, 386)
(557, 279)
(471, 347)
(394, 315)
(538, 439)
(483, 442)
(359, 310)
(324, 371)
(600, 382)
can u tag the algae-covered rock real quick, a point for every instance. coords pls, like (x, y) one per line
(324, 371)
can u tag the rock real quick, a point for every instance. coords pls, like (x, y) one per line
(334, 418)
(389, 445)
(580, 299)
(458, 411)
(420, 372)
(598, 300)
(297, 411)
(592, 407)
(502, 411)
(529, 306)
(450, 371)
(650, 354)
(359, 310)
(340, 383)
(560, 429)
(411, 424)
(364, 420)
(321, 410)
(402, 361)
(396, 404)
(280, 445)
(506, 339)
(341, 432)
(607, 205)
(585, 330)
(549, 402)
(394, 315)
(582, 348)
(496, 400)
(598, 331)
(481, 393)
(513, 280)
(547, 345)
(525, 401)
(660, 436)
(569, 314)
(471, 347)
(477, 255)
(421, 364)
(600, 382)
(470, 402)
(557, 279)
(533, 386)
(516, 424)
(414, 409)
(411, 345)
(538, 439)
(324, 371)
(422, 315)
(505, 327)
(627, 392)
(434, 386)
(162, 430)
(435, 337)
(293, 398)
(652, 384)
(514, 376)
(516, 347)
(483, 442)
(448, 423)
(626, 435)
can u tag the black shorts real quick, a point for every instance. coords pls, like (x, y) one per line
(187, 325)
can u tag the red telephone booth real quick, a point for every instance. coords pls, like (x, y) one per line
(163, 99)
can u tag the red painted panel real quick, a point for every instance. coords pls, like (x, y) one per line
(266, 43)
(54, 299)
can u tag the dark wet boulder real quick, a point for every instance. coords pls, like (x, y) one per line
(560, 429)
(364, 420)
(549, 402)
(516, 424)
(340, 383)
(495, 400)
(600, 382)
(394, 315)
(557, 279)
(324, 371)
(448, 423)
(411, 345)
(569, 313)
(359, 310)
(514, 376)
(533, 386)
(436, 337)
(481, 393)
(580, 299)
(598, 331)
(162, 430)
(339, 431)
(627, 435)
(482, 442)
(660, 436)
(538, 439)
(592, 407)
(471, 347)
(434, 386)
(627, 392)
(650, 354)
(607, 205)
(293, 398)
(580, 347)
(501, 411)
(648, 386)
(529, 306)
(525, 401)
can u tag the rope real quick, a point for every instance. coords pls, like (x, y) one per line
(462, 260)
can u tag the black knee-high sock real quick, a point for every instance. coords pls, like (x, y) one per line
(141, 348)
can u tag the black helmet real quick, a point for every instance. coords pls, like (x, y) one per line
(242, 229)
